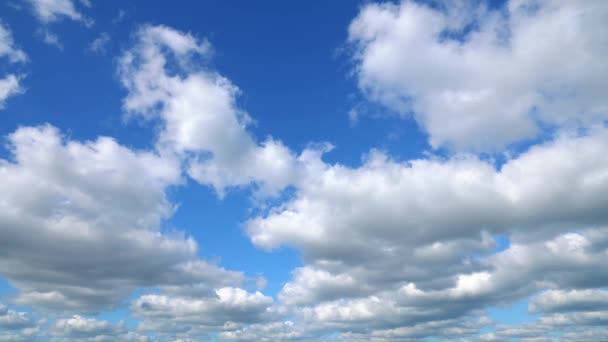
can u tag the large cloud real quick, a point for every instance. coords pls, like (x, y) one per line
(418, 203)
(88, 230)
(394, 243)
(479, 78)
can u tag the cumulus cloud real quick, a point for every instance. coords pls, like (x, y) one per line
(421, 202)
(477, 78)
(391, 243)
(80, 327)
(166, 78)
(275, 331)
(96, 209)
(573, 300)
(195, 317)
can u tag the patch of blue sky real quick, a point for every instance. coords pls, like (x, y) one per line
(513, 314)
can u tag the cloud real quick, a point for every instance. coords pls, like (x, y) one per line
(476, 78)
(573, 300)
(275, 331)
(99, 44)
(166, 78)
(195, 317)
(80, 327)
(50, 38)
(414, 204)
(48, 11)
(10, 84)
(97, 210)
(8, 48)
(391, 244)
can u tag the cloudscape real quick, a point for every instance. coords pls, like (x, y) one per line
(414, 170)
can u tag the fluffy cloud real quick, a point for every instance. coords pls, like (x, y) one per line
(275, 331)
(80, 327)
(96, 209)
(166, 79)
(573, 300)
(567, 260)
(195, 317)
(391, 243)
(478, 78)
(385, 205)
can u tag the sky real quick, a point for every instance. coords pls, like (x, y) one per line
(415, 170)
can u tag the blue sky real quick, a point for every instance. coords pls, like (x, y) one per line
(346, 171)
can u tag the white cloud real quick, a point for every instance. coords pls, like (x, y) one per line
(10, 84)
(49, 11)
(390, 244)
(13, 320)
(81, 327)
(386, 204)
(97, 210)
(275, 331)
(7, 46)
(573, 300)
(195, 317)
(479, 79)
(199, 115)
(311, 285)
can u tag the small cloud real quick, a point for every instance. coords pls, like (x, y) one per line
(9, 86)
(353, 116)
(261, 283)
(99, 44)
(120, 17)
(50, 38)
(49, 11)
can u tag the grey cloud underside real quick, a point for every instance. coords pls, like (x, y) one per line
(88, 231)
